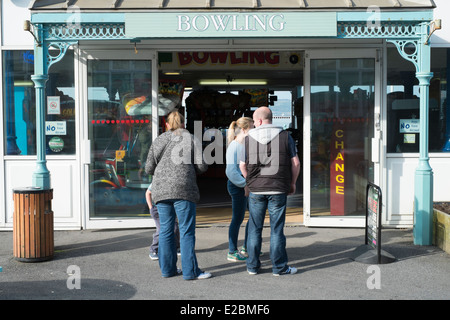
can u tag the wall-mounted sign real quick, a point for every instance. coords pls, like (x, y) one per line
(230, 24)
(53, 105)
(53, 128)
(229, 60)
(409, 125)
(56, 144)
(409, 138)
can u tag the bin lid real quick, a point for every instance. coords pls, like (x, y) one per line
(31, 190)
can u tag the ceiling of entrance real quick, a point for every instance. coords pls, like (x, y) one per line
(226, 4)
(275, 79)
(234, 70)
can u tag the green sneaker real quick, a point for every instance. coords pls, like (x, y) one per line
(235, 256)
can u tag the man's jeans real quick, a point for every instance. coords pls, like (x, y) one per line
(185, 211)
(239, 205)
(276, 204)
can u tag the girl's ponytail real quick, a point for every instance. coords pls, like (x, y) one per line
(231, 134)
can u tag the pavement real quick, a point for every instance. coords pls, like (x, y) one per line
(114, 265)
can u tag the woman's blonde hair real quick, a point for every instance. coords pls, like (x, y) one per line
(175, 120)
(236, 127)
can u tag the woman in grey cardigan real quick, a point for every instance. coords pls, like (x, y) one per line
(174, 159)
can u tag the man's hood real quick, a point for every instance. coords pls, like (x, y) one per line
(265, 133)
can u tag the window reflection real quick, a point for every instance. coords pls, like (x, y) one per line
(19, 101)
(119, 113)
(403, 100)
(342, 102)
(20, 105)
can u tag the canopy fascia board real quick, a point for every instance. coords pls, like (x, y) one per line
(75, 26)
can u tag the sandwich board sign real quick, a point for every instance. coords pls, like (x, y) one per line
(371, 251)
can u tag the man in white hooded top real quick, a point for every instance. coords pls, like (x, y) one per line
(271, 169)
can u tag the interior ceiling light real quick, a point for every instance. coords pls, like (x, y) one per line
(240, 82)
(172, 73)
(23, 83)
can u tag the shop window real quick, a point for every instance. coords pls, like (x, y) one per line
(20, 105)
(120, 131)
(439, 105)
(403, 100)
(60, 108)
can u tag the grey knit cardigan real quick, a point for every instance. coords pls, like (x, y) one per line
(174, 160)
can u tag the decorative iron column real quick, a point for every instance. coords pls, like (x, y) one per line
(423, 190)
(41, 176)
(42, 62)
(418, 51)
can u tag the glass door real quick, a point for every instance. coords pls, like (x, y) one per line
(341, 138)
(118, 134)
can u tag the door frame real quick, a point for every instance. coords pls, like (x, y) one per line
(86, 54)
(314, 54)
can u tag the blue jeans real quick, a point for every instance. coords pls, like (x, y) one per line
(169, 210)
(239, 204)
(276, 204)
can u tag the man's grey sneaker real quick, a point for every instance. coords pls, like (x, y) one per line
(252, 272)
(289, 270)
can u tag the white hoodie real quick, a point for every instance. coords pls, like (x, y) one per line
(265, 133)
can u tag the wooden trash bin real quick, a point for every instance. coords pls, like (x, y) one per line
(33, 224)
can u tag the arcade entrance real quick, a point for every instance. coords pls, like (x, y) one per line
(327, 102)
